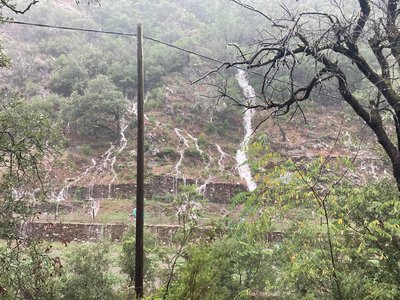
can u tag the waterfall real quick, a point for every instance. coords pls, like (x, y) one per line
(104, 166)
(222, 158)
(123, 143)
(202, 189)
(241, 156)
(178, 174)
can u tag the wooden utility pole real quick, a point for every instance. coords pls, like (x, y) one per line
(140, 168)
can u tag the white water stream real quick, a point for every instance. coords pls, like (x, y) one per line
(207, 159)
(241, 156)
(104, 166)
(122, 144)
(202, 188)
(183, 144)
(221, 160)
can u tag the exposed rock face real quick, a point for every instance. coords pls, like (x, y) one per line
(157, 186)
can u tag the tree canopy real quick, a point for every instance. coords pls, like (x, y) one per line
(98, 111)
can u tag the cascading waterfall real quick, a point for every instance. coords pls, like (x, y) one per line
(241, 156)
(122, 145)
(178, 174)
(202, 188)
(206, 158)
(63, 194)
(109, 159)
(196, 144)
(95, 207)
(222, 158)
(17, 195)
(104, 165)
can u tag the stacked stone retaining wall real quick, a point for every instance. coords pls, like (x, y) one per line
(215, 192)
(96, 232)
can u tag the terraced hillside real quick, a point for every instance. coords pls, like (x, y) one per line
(192, 134)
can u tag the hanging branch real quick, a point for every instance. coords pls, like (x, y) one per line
(13, 7)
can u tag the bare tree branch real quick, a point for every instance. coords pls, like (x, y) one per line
(13, 7)
(338, 45)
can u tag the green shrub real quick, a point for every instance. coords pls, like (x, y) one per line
(86, 149)
(29, 272)
(127, 257)
(341, 241)
(87, 275)
(231, 267)
(79, 193)
(166, 152)
(203, 140)
(167, 198)
(193, 153)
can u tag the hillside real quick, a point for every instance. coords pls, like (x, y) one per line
(191, 133)
(272, 150)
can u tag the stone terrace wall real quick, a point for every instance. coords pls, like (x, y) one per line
(90, 232)
(77, 232)
(158, 186)
(95, 232)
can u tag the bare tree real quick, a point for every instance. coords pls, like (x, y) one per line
(344, 49)
(16, 8)
(12, 6)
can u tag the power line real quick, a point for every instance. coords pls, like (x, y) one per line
(70, 28)
(129, 34)
(114, 33)
(182, 49)
(119, 33)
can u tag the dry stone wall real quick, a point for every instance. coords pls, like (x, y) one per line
(90, 232)
(215, 192)
(96, 232)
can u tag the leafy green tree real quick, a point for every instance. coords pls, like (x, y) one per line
(69, 76)
(29, 272)
(88, 275)
(340, 241)
(94, 60)
(49, 105)
(26, 137)
(235, 266)
(98, 111)
(124, 77)
(127, 258)
(161, 61)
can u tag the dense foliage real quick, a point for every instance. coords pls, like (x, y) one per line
(87, 275)
(298, 240)
(26, 137)
(98, 111)
(62, 63)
